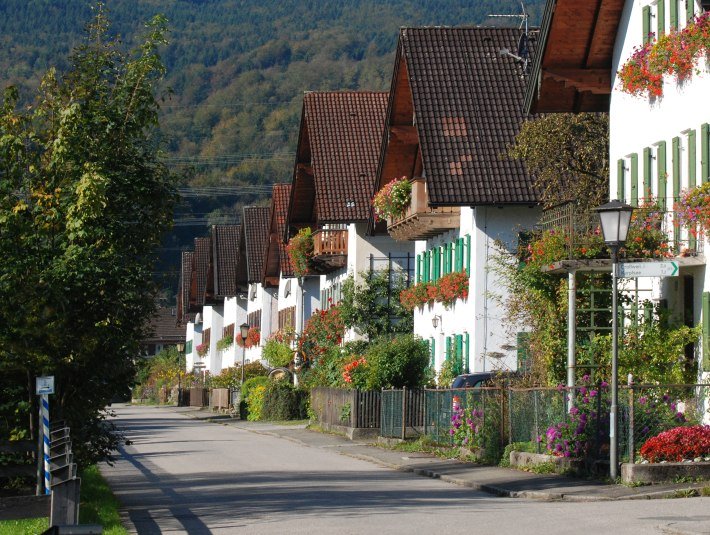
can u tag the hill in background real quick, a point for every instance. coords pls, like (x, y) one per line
(237, 71)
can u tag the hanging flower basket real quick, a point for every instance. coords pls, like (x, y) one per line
(675, 53)
(300, 251)
(693, 209)
(253, 338)
(392, 200)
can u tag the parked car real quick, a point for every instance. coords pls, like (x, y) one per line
(480, 379)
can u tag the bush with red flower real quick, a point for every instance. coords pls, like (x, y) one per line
(414, 296)
(323, 330)
(392, 200)
(355, 372)
(678, 444)
(253, 338)
(674, 53)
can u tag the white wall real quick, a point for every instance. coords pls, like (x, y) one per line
(482, 316)
(640, 122)
(192, 333)
(212, 318)
(253, 305)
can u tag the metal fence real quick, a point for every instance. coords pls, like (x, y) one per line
(512, 415)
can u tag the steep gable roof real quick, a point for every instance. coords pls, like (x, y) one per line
(203, 251)
(256, 232)
(276, 259)
(225, 244)
(163, 328)
(466, 105)
(345, 131)
(183, 297)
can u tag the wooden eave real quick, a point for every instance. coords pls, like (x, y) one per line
(400, 144)
(301, 204)
(572, 71)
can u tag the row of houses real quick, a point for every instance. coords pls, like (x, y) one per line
(456, 101)
(454, 106)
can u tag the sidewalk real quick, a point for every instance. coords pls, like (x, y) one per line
(505, 482)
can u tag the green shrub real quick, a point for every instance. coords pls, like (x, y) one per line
(255, 403)
(252, 383)
(327, 370)
(277, 354)
(249, 408)
(529, 447)
(398, 361)
(283, 401)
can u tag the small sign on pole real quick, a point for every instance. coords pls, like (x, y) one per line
(631, 270)
(45, 385)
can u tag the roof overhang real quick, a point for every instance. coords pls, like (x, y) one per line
(572, 71)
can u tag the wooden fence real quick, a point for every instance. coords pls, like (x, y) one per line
(349, 408)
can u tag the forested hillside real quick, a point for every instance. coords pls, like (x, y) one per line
(237, 71)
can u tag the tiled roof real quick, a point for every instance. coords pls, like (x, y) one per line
(276, 259)
(256, 227)
(202, 265)
(467, 105)
(163, 327)
(345, 132)
(225, 243)
(183, 298)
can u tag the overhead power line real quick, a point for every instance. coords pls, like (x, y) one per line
(226, 191)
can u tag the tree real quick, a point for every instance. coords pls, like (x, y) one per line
(372, 306)
(569, 156)
(84, 202)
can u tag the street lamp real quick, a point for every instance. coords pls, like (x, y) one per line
(180, 348)
(615, 217)
(244, 332)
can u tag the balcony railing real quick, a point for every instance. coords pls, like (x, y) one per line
(581, 229)
(420, 221)
(330, 248)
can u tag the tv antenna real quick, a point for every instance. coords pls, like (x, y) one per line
(522, 54)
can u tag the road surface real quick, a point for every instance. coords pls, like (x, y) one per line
(182, 475)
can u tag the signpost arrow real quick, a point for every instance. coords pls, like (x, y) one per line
(631, 270)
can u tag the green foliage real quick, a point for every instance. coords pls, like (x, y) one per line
(529, 447)
(323, 331)
(225, 343)
(397, 361)
(255, 401)
(300, 251)
(277, 354)
(84, 202)
(569, 156)
(447, 374)
(327, 370)
(372, 305)
(283, 401)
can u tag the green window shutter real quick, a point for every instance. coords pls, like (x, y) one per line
(448, 348)
(646, 24)
(468, 254)
(634, 179)
(437, 259)
(426, 267)
(691, 159)
(459, 354)
(188, 346)
(467, 353)
(459, 254)
(689, 10)
(523, 350)
(662, 174)
(706, 331)
(674, 14)
(647, 173)
(419, 267)
(449, 253)
(676, 190)
(432, 352)
(704, 153)
(620, 179)
(661, 18)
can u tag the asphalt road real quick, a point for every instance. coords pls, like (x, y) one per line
(182, 475)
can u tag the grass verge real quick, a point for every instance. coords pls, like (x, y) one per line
(98, 506)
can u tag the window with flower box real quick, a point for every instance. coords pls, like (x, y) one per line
(442, 260)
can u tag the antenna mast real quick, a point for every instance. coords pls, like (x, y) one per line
(523, 53)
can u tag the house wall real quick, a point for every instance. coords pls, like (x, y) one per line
(487, 336)
(213, 319)
(638, 123)
(256, 304)
(193, 333)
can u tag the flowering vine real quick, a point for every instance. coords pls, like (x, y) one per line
(674, 53)
(300, 251)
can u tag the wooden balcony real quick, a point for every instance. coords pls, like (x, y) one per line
(420, 222)
(330, 249)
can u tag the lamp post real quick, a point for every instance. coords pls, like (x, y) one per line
(180, 348)
(244, 332)
(615, 218)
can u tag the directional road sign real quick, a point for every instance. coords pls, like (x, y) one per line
(45, 385)
(630, 270)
